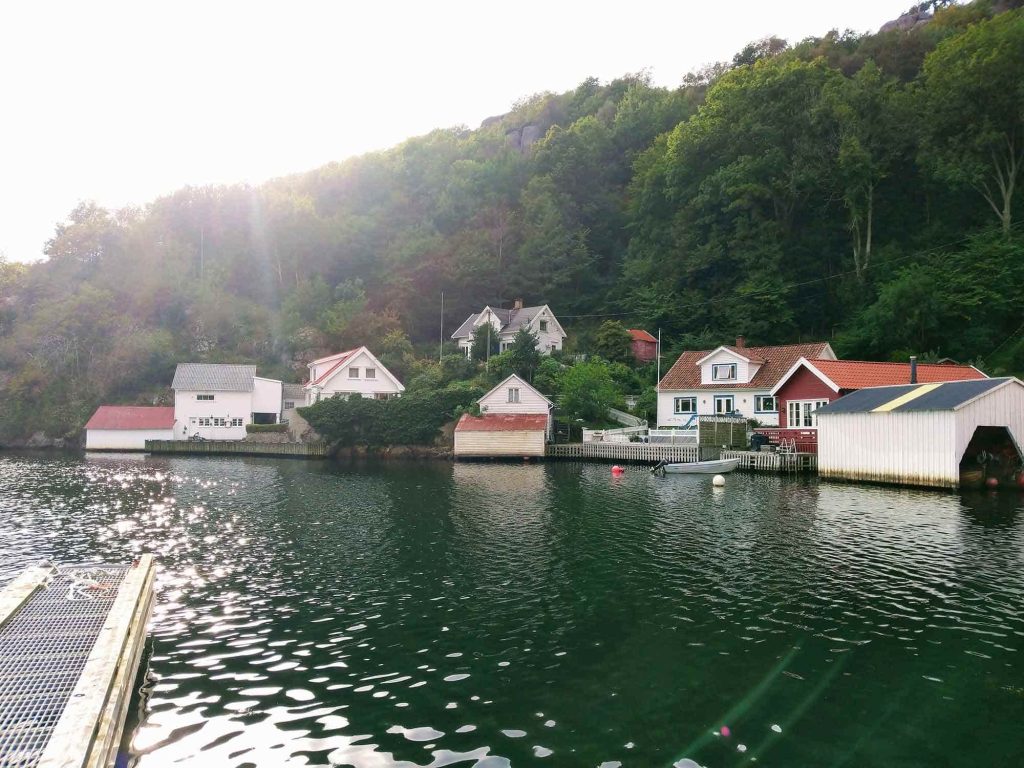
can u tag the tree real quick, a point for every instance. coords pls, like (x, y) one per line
(972, 111)
(588, 391)
(485, 342)
(613, 342)
(523, 353)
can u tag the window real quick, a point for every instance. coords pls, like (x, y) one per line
(380, 395)
(219, 422)
(205, 421)
(289, 404)
(353, 373)
(204, 397)
(543, 326)
(236, 422)
(684, 404)
(371, 373)
(725, 404)
(723, 372)
(765, 404)
(801, 413)
(513, 394)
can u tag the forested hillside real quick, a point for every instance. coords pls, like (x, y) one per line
(862, 189)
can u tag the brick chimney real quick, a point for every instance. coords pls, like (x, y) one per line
(517, 304)
(741, 342)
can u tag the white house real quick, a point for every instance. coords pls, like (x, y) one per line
(127, 427)
(506, 322)
(730, 380)
(936, 434)
(514, 420)
(356, 371)
(216, 401)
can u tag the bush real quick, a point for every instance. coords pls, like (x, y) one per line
(413, 419)
(252, 429)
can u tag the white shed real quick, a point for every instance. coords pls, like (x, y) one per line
(514, 420)
(924, 434)
(128, 427)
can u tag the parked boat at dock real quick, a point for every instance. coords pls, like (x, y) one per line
(716, 467)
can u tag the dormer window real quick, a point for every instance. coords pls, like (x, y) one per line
(723, 372)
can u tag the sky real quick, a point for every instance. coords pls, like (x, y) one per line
(121, 102)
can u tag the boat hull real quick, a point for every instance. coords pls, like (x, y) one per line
(718, 467)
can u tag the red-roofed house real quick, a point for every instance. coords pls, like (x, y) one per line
(128, 427)
(356, 371)
(729, 380)
(643, 346)
(812, 384)
(514, 420)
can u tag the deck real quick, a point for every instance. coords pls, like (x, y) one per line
(770, 461)
(238, 448)
(71, 639)
(644, 453)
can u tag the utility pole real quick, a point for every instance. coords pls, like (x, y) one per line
(440, 349)
(487, 363)
(202, 251)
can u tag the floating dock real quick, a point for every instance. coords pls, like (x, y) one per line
(71, 640)
(238, 448)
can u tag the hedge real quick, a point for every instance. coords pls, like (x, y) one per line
(253, 428)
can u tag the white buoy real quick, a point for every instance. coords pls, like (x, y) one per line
(719, 481)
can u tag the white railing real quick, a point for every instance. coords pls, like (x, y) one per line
(672, 436)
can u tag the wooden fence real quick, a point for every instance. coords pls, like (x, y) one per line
(238, 448)
(770, 461)
(638, 452)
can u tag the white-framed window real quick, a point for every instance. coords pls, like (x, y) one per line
(801, 413)
(219, 422)
(543, 326)
(370, 373)
(353, 373)
(684, 404)
(204, 397)
(205, 421)
(765, 404)
(289, 404)
(236, 422)
(513, 394)
(723, 372)
(725, 404)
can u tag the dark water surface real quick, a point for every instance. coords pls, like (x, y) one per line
(430, 614)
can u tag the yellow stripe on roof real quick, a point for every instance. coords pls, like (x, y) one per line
(913, 394)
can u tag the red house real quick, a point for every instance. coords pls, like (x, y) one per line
(812, 384)
(643, 345)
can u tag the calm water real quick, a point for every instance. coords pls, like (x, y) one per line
(415, 615)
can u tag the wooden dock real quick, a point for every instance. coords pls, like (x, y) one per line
(238, 448)
(71, 639)
(643, 453)
(770, 461)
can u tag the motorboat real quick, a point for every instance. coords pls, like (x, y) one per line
(716, 467)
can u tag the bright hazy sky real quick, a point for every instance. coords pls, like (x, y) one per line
(120, 102)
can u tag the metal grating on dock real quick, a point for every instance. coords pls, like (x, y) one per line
(46, 642)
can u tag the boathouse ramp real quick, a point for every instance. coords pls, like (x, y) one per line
(71, 639)
(915, 434)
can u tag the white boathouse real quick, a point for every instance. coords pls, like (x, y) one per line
(924, 434)
(514, 421)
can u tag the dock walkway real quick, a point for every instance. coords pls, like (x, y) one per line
(71, 639)
(238, 448)
(770, 461)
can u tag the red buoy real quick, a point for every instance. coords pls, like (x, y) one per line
(617, 470)
(992, 482)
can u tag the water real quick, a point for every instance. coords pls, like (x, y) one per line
(487, 615)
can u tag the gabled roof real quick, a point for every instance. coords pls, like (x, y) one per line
(214, 377)
(293, 391)
(943, 396)
(775, 362)
(329, 358)
(346, 357)
(520, 381)
(502, 422)
(847, 375)
(639, 335)
(743, 352)
(340, 359)
(131, 417)
(511, 320)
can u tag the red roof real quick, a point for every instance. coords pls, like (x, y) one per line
(775, 363)
(326, 374)
(131, 417)
(502, 422)
(859, 374)
(639, 335)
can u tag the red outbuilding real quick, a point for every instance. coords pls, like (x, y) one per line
(643, 346)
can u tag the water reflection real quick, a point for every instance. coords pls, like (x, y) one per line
(500, 614)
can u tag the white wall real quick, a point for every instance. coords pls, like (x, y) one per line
(123, 439)
(228, 405)
(511, 443)
(745, 401)
(1002, 408)
(266, 396)
(342, 384)
(529, 400)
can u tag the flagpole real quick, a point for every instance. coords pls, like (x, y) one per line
(440, 351)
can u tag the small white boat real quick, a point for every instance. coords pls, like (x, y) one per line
(718, 467)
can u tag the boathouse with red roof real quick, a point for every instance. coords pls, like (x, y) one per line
(128, 427)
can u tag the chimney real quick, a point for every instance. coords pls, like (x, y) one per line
(913, 369)
(740, 342)
(517, 304)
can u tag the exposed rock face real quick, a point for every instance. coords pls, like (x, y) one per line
(523, 138)
(37, 440)
(908, 20)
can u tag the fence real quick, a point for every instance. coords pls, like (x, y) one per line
(770, 461)
(722, 431)
(238, 448)
(672, 436)
(806, 440)
(621, 435)
(639, 452)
